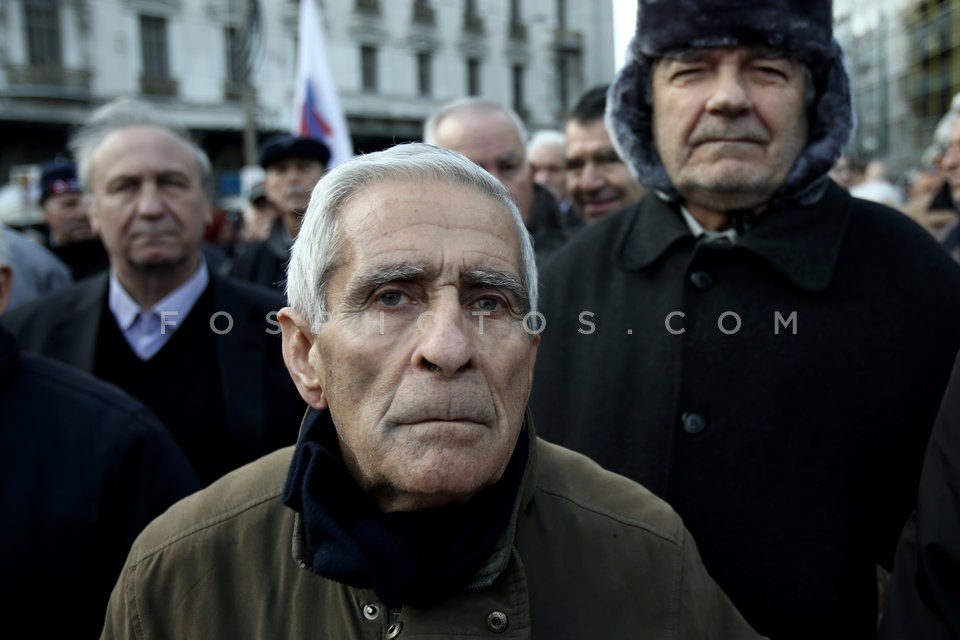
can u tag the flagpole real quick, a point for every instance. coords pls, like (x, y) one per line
(249, 93)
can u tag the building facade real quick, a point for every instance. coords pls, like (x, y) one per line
(223, 67)
(904, 61)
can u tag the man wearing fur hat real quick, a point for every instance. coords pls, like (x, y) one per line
(750, 342)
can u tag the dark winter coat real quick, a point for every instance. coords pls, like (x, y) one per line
(265, 263)
(83, 468)
(787, 422)
(923, 600)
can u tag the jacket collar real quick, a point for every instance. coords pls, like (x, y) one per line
(802, 243)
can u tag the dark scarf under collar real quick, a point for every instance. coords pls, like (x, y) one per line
(412, 558)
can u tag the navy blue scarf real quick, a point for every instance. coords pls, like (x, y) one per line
(414, 558)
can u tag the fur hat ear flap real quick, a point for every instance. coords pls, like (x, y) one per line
(629, 117)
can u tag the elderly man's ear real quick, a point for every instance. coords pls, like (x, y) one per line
(297, 343)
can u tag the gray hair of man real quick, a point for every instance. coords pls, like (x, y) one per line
(318, 249)
(546, 137)
(469, 104)
(124, 113)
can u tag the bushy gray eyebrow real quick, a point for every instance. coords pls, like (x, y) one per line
(502, 280)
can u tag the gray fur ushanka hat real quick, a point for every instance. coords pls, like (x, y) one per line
(800, 28)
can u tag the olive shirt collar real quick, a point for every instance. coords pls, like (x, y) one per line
(802, 243)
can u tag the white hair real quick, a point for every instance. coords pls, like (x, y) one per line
(318, 248)
(470, 104)
(545, 138)
(124, 113)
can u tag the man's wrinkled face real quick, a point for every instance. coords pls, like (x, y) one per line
(491, 140)
(597, 179)
(424, 362)
(66, 214)
(728, 124)
(149, 205)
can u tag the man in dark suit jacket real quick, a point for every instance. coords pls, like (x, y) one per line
(202, 351)
(83, 468)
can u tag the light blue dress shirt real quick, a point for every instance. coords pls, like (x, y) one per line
(148, 330)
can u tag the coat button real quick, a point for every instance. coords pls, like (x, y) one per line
(497, 622)
(394, 630)
(371, 611)
(693, 422)
(701, 280)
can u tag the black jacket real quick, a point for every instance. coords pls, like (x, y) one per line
(263, 406)
(791, 444)
(923, 600)
(83, 468)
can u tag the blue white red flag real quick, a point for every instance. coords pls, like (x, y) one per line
(316, 107)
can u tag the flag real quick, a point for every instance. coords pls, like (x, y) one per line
(316, 107)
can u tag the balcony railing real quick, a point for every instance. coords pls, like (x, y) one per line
(368, 6)
(158, 86)
(47, 82)
(424, 14)
(473, 23)
(567, 40)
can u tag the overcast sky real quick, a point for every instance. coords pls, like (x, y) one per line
(624, 21)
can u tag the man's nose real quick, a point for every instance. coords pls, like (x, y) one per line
(591, 177)
(149, 202)
(445, 339)
(729, 95)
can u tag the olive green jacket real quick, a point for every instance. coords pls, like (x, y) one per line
(589, 554)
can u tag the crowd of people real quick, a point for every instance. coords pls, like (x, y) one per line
(670, 371)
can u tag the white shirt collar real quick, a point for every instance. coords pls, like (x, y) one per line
(697, 229)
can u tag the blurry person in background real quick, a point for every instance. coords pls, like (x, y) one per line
(545, 151)
(259, 215)
(494, 137)
(292, 167)
(83, 468)
(598, 180)
(70, 237)
(39, 270)
(193, 346)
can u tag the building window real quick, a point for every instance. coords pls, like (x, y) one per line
(561, 14)
(423, 12)
(368, 67)
(563, 86)
(471, 19)
(153, 46)
(473, 77)
(236, 58)
(425, 73)
(368, 6)
(518, 105)
(515, 17)
(42, 23)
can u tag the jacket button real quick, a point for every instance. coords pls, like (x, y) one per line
(693, 422)
(497, 622)
(701, 280)
(371, 611)
(394, 630)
